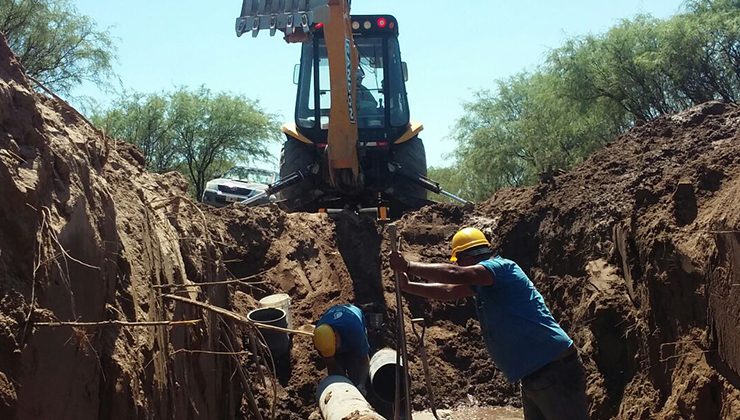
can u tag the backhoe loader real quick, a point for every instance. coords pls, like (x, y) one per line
(352, 144)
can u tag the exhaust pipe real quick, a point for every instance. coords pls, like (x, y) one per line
(339, 399)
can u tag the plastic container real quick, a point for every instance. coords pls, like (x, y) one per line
(383, 375)
(339, 399)
(277, 341)
(279, 300)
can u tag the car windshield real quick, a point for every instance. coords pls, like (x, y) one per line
(258, 176)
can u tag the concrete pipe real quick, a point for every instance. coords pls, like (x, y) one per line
(383, 375)
(277, 341)
(339, 399)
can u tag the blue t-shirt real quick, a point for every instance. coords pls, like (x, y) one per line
(519, 331)
(347, 321)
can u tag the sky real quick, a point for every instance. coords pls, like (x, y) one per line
(453, 49)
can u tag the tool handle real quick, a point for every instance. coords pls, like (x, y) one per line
(393, 233)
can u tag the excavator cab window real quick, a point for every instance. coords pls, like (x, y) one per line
(381, 92)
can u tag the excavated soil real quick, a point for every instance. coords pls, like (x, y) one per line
(637, 252)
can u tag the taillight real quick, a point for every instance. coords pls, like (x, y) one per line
(382, 22)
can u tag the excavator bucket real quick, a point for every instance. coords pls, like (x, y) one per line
(284, 15)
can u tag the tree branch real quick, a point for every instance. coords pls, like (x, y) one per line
(235, 316)
(117, 323)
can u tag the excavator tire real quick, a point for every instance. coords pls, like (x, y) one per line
(412, 157)
(296, 156)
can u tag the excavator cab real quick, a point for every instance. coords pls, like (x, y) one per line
(382, 118)
(381, 101)
(352, 144)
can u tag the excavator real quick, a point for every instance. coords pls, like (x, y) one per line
(352, 144)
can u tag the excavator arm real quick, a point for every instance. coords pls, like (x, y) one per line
(296, 18)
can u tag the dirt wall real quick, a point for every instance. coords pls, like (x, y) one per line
(85, 236)
(635, 251)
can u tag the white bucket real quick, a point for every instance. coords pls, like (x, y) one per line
(281, 301)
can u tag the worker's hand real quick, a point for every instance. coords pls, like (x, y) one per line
(398, 262)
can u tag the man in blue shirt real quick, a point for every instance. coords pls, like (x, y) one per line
(523, 339)
(341, 339)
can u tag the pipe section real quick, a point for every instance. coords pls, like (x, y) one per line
(383, 374)
(339, 399)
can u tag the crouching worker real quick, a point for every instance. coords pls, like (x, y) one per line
(340, 338)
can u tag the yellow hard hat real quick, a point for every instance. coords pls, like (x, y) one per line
(465, 239)
(325, 340)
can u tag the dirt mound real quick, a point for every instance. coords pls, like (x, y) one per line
(86, 236)
(637, 252)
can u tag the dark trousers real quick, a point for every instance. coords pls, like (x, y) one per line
(356, 367)
(556, 391)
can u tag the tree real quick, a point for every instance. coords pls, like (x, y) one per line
(196, 132)
(211, 128)
(57, 46)
(651, 67)
(620, 66)
(147, 122)
(527, 127)
(594, 88)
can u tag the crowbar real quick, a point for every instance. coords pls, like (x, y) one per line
(401, 369)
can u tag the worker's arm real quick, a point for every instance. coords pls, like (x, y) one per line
(436, 291)
(474, 275)
(358, 369)
(333, 366)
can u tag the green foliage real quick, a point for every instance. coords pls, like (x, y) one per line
(450, 179)
(527, 128)
(196, 132)
(594, 88)
(146, 121)
(651, 67)
(56, 45)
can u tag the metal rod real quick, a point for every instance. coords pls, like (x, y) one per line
(454, 197)
(397, 401)
(253, 199)
(392, 231)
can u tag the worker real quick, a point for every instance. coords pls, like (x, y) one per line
(365, 100)
(523, 339)
(340, 337)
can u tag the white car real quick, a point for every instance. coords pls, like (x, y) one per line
(238, 184)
